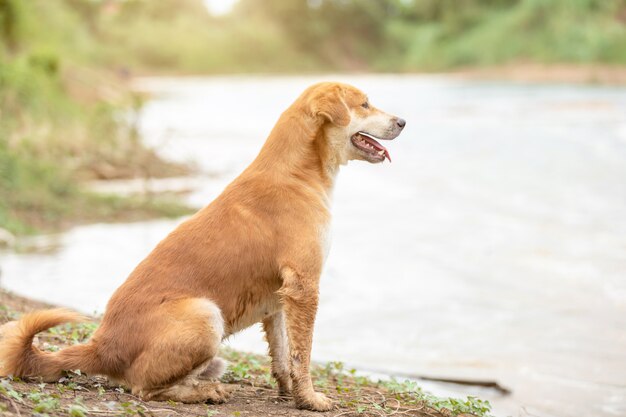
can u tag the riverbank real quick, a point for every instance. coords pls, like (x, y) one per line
(56, 137)
(66, 118)
(254, 391)
(595, 74)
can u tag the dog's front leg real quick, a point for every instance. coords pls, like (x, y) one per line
(276, 335)
(300, 298)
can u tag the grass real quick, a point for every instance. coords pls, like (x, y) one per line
(37, 195)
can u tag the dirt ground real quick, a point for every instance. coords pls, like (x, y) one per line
(254, 392)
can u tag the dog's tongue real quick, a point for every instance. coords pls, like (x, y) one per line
(386, 152)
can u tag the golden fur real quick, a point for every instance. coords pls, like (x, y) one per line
(255, 254)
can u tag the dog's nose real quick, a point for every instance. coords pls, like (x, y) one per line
(401, 123)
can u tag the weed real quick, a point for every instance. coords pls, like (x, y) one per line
(77, 410)
(7, 389)
(245, 367)
(7, 314)
(74, 333)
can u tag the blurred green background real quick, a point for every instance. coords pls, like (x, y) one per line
(66, 108)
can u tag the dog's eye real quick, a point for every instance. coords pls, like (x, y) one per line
(365, 105)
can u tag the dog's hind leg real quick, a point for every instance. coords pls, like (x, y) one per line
(212, 370)
(191, 390)
(180, 363)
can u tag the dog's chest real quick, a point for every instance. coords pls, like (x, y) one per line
(325, 238)
(253, 309)
(324, 226)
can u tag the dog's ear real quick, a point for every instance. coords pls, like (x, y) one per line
(330, 106)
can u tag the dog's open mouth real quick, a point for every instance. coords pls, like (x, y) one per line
(367, 144)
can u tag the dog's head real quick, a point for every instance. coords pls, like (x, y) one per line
(351, 125)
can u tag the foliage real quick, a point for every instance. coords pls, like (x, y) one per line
(447, 33)
(384, 35)
(62, 121)
(74, 333)
(307, 35)
(387, 35)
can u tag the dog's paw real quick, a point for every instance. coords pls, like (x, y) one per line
(315, 402)
(219, 394)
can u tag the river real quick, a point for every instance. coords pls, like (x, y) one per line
(499, 245)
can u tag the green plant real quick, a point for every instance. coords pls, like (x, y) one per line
(43, 403)
(74, 333)
(7, 389)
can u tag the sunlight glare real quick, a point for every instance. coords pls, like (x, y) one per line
(220, 7)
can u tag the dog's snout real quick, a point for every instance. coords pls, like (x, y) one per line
(400, 122)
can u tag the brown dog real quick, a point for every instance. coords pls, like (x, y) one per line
(255, 254)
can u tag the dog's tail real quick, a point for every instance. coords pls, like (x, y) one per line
(18, 356)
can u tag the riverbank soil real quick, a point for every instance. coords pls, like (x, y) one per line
(254, 390)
